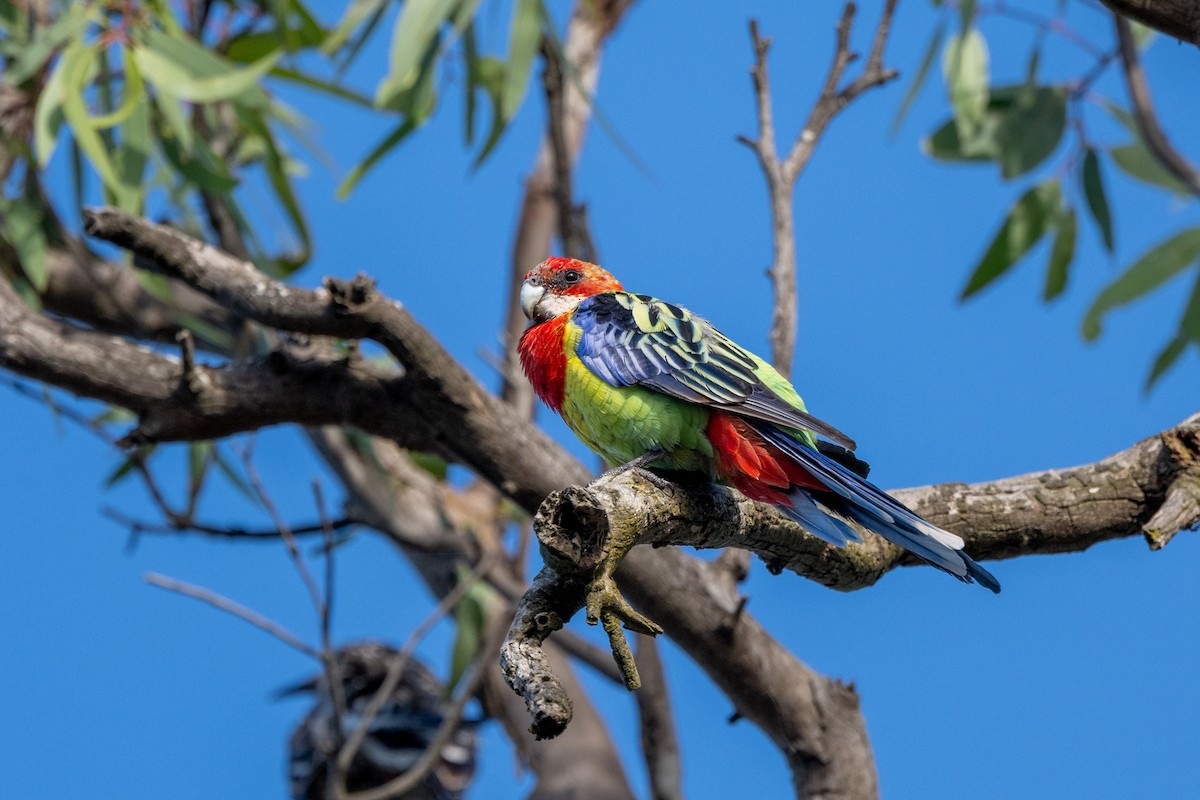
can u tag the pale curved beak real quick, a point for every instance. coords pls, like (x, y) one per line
(531, 295)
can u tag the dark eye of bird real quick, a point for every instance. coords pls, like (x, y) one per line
(572, 276)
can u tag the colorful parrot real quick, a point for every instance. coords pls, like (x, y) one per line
(644, 381)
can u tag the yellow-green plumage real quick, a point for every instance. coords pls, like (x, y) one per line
(621, 423)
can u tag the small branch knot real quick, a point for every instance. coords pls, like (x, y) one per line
(348, 296)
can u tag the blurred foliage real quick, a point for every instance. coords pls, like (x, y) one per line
(146, 94)
(179, 100)
(1020, 127)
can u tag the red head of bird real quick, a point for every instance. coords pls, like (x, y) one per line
(557, 285)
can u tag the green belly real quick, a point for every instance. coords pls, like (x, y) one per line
(621, 423)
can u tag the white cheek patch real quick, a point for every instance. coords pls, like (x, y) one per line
(554, 305)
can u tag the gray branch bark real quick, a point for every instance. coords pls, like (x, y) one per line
(815, 722)
(1177, 18)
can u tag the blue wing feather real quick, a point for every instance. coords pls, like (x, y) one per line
(634, 340)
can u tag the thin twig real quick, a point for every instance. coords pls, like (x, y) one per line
(285, 532)
(404, 783)
(333, 669)
(183, 525)
(1143, 111)
(396, 668)
(232, 607)
(782, 174)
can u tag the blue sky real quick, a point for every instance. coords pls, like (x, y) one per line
(1076, 681)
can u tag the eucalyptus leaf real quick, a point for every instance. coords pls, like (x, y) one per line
(965, 70)
(1097, 200)
(1027, 221)
(32, 56)
(525, 35)
(415, 30)
(1062, 252)
(48, 116)
(1136, 161)
(356, 12)
(162, 68)
(1031, 129)
(21, 225)
(1166, 359)
(918, 81)
(1159, 265)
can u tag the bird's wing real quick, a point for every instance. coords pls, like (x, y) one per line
(633, 339)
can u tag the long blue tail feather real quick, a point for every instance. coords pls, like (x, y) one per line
(855, 499)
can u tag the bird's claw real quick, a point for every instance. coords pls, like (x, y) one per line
(604, 598)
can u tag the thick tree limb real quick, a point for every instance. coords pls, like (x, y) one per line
(430, 523)
(1151, 489)
(704, 602)
(440, 395)
(469, 424)
(660, 744)
(1178, 18)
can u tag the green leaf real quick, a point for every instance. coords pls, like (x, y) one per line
(524, 37)
(1097, 201)
(1026, 223)
(201, 166)
(1143, 35)
(965, 70)
(234, 478)
(1190, 324)
(133, 155)
(379, 151)
(1061, 255)
(21, 224)
(162, 67)
(132, 92)
(199, 455)
(79, 60)
(1136, 161)
(326, 87)
(415, 30)
(355, 14)
(121, 472)
(914, 88)
(433, 464)
(1031, 129)
(946, 144)
(289, 36)
(1153, 269)
(416, 100)
(175, 118)
(276, 167)
(471, 616)
(45, 42)
(48, 116)
(1165, 360)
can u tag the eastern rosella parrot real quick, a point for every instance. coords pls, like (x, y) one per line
(637, 377)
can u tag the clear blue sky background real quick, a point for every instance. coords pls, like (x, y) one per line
(1077, 681)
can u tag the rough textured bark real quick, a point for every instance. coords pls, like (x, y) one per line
(1178, 18)
(474, 425)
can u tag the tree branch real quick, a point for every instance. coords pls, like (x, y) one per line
(435, 393)
(1151, 489)
(1143, 110)
(782, 174)
(570, 101)
(1177, 18)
